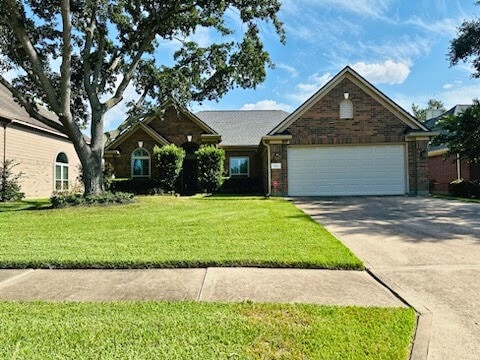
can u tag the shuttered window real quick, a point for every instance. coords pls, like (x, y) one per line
(346, 109)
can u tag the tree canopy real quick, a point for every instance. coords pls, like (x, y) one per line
(461, 133)
(103, 46)
(421, 113)
(466, 46)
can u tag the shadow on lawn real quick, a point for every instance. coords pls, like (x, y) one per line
(25, 205)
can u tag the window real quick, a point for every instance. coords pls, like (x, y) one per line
(61, 172)
(239, 166)
(140, 163)
(346, 109)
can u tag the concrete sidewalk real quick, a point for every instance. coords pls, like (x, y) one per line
(332, 287)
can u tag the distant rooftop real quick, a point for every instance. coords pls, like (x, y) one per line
(242, 127)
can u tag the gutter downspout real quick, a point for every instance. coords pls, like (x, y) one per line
(459, 167)
(269, 170)
(5, 124)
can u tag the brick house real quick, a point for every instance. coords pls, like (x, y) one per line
(444, 168)
(46, 157)
(347, 139)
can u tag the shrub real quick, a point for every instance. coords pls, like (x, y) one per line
(464, 188)
(169, 162)
(63, 199)
(241, 186)
(210, 167)
(10, 189)
(135, 186)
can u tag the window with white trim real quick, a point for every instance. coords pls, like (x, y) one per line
(140, 163)
(61, 172)
(240, 166)
(346, 109)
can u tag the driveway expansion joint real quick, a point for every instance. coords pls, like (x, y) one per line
(200, 292)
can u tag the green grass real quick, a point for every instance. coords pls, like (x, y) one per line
(171, 232)
(456, 198)
(35, 204)
(188, 330)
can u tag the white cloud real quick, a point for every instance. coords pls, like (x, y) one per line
(267, 105)
(446, 27)
(388, 72)
(400, 49)
(304, 90)
(368, 8)
(447, 86)
(290, 69)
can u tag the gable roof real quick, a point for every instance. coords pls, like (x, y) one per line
(120, 137)
(456, 110)
(242, 127)
(358, 80)
(432, 124)
(12, 110)
(194, 118)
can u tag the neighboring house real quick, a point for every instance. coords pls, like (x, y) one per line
(46, 157)
(443, 169)
(347, 139)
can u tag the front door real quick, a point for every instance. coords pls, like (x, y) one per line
(189, 182)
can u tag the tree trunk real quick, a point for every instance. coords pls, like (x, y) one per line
(93, 175)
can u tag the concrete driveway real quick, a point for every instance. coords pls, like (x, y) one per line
(430, 248)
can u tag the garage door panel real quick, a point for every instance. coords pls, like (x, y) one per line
(347, 170)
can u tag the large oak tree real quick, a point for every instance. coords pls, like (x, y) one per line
(105, 45)
(466, 46)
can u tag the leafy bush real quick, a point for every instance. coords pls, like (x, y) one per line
(241, 186)
(210, 167)
(135, 186)
(464, 188)
(169, 160)
(10, 189)
(63, 199)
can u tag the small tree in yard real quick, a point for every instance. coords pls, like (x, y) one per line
(103, 47)
(10, 189)
(462, 133)
(210, 167)
(169, 162)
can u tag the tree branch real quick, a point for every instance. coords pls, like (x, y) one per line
(65, 67)
(30, 108)
(114, 100)
(89, 88)
(20, 33)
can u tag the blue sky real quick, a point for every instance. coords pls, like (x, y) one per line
(400, 46)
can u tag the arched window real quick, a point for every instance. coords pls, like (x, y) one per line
(346, 109)
(61, 172)
(140, 163)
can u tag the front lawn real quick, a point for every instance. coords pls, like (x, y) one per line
(188, 330)
(171, 232)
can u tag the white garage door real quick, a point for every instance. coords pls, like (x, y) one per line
(346, 170)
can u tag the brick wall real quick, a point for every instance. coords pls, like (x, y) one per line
(372, 123)
(175, 127)
(443, 170)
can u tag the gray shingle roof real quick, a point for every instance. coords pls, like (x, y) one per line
(242, 127)
(10, 109)
(432, 124)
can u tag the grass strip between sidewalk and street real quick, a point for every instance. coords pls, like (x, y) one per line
(191, 330)
(171, 232)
